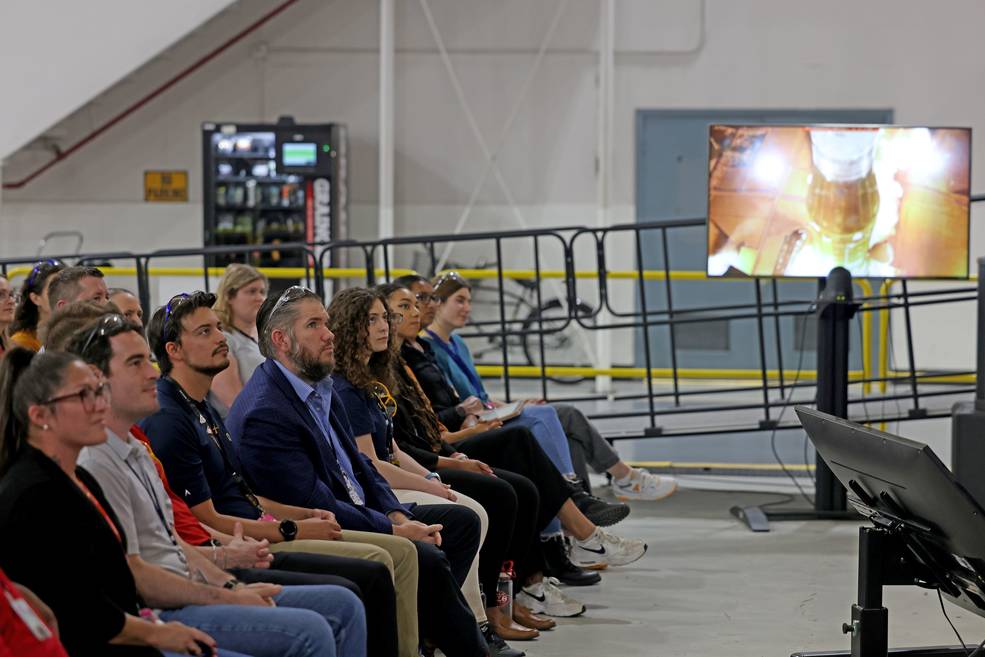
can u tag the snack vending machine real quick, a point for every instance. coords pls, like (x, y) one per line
(272, 184)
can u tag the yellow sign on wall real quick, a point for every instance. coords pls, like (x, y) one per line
(166, 186)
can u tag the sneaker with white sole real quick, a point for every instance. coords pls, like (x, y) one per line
(642, 485)
(546, 598)
(604, 548)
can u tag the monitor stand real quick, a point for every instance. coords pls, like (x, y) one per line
(884, 559)
(834, 311)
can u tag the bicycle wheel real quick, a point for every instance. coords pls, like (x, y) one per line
(564, 343)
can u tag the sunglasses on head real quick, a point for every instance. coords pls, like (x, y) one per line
(39, 266)
(107, 326)
(290, 295)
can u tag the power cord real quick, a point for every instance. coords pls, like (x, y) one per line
(786, 404)
(940, 598)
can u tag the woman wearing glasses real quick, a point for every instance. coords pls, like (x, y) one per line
(51, 406)
(7, 305)
(34, 309)
(239, 296)
(364, 381)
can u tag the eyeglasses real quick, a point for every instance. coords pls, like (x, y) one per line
(88, 396)
(424, 297)
(50, 262)
(107, 326)
(6, 294)
(450, 276)
(290, 295)
(173, 304)
(396, 319)
(385, 400)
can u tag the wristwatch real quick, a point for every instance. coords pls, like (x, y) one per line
(433, 476)
(288, 529)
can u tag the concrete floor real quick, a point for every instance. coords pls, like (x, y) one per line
(709, 587)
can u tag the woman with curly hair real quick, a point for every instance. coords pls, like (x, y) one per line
(364, 380)
(33, 310)
(7, 306)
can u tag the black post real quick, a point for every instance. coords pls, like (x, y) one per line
(835, 310)
(980, 368)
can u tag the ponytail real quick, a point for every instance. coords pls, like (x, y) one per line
(26, 379)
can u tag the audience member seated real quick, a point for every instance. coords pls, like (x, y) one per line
(197, 454)
(33, 308)
(454, 307)
(512, 448)
(69, 320)
(77, 284)
(296, 444)
(128, 303)
(164, 566)
(51, 406)
(241, 292)
(363, 381)
(28, 627)
(7, 306)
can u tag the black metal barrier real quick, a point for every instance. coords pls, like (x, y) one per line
(658, 305)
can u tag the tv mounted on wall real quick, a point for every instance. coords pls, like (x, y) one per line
(799, 200)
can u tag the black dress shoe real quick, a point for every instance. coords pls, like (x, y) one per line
(559, 565)
(600, 512)
(498, 647)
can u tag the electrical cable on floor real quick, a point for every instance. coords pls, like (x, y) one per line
(940, 599)
(786, 403)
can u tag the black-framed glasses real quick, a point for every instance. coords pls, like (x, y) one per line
(107, 326)
(290, 295)
(424, 297)
(40, 265)
(87, 396)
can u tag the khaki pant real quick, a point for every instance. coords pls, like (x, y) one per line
(470, 589)
(398, 554)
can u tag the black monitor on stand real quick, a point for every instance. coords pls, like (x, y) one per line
(927, 530)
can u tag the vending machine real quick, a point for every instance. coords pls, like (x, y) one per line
(273, 184)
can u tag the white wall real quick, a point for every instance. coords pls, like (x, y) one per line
(319, 62)
(56, 55)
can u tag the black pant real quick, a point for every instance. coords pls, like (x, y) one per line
(444, 616)
(511, 502)
(369, 580)
(516, 450)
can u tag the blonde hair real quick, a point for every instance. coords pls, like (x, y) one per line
(236, 277)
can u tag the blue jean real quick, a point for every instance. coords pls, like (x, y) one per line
(219, 653)
(543, 422)
(303, 624)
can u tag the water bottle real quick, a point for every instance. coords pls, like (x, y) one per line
(504, 590)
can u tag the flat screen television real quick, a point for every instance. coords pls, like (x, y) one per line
(799, 200)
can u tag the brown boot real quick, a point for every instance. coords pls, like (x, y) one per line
(527, 618)
(507, 629)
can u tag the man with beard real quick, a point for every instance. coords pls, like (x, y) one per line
(296, 444)
(202, 467)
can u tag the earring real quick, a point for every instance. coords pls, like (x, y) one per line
(44, 427)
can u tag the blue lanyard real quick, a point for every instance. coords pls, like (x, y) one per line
(452, 351)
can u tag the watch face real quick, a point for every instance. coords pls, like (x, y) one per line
(288, 529)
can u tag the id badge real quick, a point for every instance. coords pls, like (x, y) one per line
(27, 614)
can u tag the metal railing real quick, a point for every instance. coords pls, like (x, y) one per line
(670, 389)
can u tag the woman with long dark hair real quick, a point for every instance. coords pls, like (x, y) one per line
(365, 382)
(33, 309)
(51, 406)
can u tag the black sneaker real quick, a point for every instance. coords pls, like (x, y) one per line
(559, 565)
(600, 512)
(498, 647)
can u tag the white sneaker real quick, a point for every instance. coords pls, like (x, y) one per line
(604, 548)
(644, 486)
(545, 597)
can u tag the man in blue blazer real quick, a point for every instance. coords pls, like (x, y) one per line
(295, 444)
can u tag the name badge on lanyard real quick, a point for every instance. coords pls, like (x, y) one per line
(30, 618)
